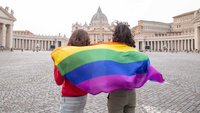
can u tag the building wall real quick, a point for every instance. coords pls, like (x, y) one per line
(182, 35)
(145, 26)
(183, 23)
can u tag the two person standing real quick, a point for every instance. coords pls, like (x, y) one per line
(129, 73)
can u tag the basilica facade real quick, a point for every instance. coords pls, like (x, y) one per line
(99, 29)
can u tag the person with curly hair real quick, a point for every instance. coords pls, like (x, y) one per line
(122, 101)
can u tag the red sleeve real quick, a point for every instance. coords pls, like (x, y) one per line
(58, 77)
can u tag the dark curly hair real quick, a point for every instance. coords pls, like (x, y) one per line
(79, 38)
(123, 34)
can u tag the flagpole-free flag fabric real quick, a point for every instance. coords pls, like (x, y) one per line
(105, 67)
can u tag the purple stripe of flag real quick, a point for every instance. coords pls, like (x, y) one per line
(154, 75)
(115, 82)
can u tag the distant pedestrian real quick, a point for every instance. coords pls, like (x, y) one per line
(11, 49)
(73, 98)
(1, 47)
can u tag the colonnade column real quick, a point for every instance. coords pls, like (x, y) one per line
(9, 36)
(159, 45)
(22, 43)
(185, 47)
(45, 45)
(197, 36)
(192, 44)
(3, 35)
(181, 45)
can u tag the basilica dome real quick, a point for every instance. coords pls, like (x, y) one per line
(99, 19)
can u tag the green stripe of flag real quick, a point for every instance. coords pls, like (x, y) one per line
(84, 57)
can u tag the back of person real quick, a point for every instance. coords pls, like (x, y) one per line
(73, 99)
(122, 101)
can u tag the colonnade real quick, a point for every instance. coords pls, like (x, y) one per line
(169, 45)
(31, 44)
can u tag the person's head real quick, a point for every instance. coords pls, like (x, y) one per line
(123, 34)
(79, 38)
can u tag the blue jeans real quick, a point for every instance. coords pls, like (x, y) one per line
(73, 104)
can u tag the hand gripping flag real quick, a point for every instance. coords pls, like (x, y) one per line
(105, 67)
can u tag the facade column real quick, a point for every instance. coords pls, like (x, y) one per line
(175, 45)
(197, 36)
(42, 45)
(3, 35)
(182, 45)
(9, 36)
(180, 41)
(17, 43)
(26, 44)
(14, 43)
(45, 45)
(34, 44)
(185, 47)
(158, 45)
(155, 45)
(192, 45)
(168, 45)
(188, 45)
(143, 45)
(161, 45)
(22, 43)
(31, 44)
(171, 44)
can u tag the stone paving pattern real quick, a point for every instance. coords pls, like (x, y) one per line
(27, 85)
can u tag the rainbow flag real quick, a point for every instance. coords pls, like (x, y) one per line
(105, 67)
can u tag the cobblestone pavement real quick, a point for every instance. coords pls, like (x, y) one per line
(27, 85)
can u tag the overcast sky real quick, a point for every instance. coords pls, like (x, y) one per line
(57, 16)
